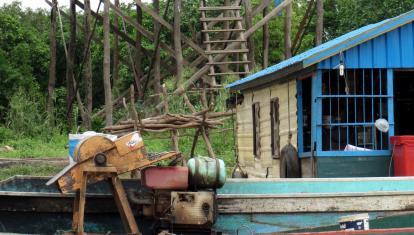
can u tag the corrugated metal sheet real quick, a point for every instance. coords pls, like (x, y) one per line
(394, 49)
(351, 40)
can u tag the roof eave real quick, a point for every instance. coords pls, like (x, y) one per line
(265, 79)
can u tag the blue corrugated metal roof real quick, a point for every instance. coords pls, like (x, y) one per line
(332, 47)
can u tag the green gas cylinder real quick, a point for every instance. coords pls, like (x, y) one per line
(205, 172)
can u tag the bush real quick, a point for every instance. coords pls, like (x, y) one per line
(26, 116)
(5, 134)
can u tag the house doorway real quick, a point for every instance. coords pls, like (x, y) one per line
(404, 102)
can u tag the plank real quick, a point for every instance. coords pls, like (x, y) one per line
(221, 30)
(227, 51)
(229, 73)
(220, 8)
(225, 41)
(211, 19)
(301, 203)
(229, 62)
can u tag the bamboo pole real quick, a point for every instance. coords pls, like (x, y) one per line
(52, 65)
(319, 21)
(288, 31)
(106, 66)
(87, 72)
(266, 36)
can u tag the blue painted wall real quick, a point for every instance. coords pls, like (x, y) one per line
(394, 49)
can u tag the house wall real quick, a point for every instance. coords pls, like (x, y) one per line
(260, 167)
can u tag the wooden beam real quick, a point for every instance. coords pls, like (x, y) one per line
(263, 4)
(87, 72)
(70, 60)
(114, 28)
(106, 65)
(302, 26)
(177, 42)
(52, 65)
(288, 31)
(170, 28)
(250, 40)
(319, 21)
(266, 36)
(140, 29)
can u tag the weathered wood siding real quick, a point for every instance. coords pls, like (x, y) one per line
(260, 167)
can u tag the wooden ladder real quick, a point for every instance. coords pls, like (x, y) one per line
(216, 51)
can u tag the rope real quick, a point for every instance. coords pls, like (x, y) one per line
(61, 31)
(290, 132)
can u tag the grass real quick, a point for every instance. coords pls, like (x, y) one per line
(27, 147)
(21, 169)
(221, 139)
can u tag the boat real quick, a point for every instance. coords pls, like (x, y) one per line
(245, 206)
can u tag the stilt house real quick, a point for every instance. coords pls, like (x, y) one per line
(329, 97)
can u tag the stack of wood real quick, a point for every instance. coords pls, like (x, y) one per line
(169, 122)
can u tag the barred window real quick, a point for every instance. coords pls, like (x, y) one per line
(350, 106)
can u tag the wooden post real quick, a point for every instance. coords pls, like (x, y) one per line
(249, 24)
(138, 53)
(52, 65)
(106, 66)
(157, 57)
(288, 31)
(70, 60)
(174, 133)
(177, 41)
(115, 64)
(319, 21)
(266, 35)
(123, 206)
(87, 72)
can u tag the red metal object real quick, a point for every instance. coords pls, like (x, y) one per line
(403, 155)
(173, 178)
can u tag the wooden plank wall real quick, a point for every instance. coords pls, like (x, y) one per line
(260, 167)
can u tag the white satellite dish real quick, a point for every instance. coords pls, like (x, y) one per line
(382, 125)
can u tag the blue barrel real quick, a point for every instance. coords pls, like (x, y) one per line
(74, 139)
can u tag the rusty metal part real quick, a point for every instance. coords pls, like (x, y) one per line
(190, 208)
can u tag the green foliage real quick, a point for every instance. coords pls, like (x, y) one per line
(5, 134)
(26, 115)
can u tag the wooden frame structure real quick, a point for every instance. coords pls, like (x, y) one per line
(200, 61)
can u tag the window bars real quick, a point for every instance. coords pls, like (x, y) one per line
(350, 106)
